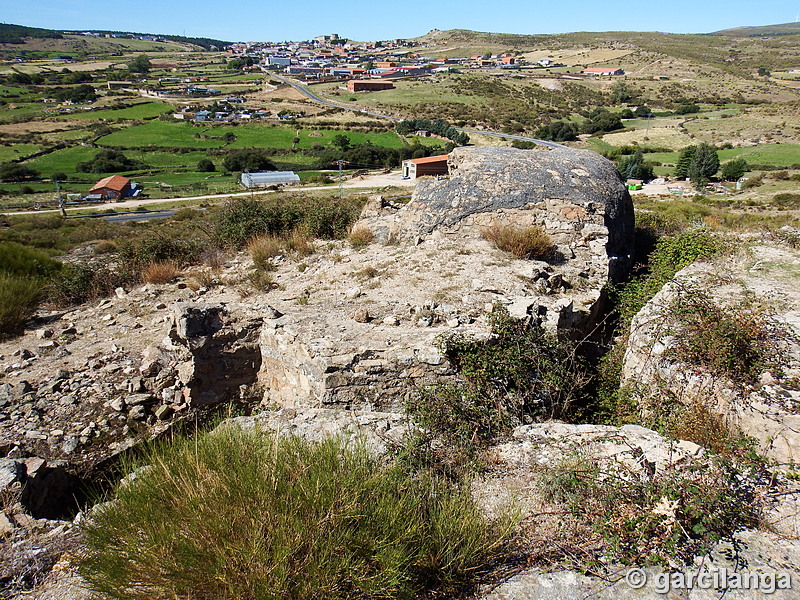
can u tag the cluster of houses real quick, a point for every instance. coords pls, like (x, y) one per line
(225, 110)
(331, 58)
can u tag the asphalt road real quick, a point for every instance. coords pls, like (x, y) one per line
(309, 94)
(144, 216)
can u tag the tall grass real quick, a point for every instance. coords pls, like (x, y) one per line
(245, 515)
(23, 272)
(18, 300)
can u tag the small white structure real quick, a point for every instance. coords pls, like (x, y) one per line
(264, 180)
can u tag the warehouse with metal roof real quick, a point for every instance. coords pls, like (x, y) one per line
(264, 180)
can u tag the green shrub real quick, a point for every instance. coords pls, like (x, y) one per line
(672, 515)
(520, 372)
(671, 254)
(19, 260)
(243, 218)
(19, 297)
(731, 341)
(158, 246)
(76, 284)
(245, 515)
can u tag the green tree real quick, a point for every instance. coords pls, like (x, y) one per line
(558, 131)
(704, 165)
(252, 160)
(140, 64)
(341, 141)
(734, 169)
(79, 93)
(634, 167)
(685, 161)
(643, 112)
(621, 92)
(15, 172)
(686, 109)
(205, 165)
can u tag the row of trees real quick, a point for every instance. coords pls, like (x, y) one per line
(438, 127)
(699, 163)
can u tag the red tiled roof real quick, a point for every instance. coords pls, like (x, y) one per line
(429, 159)
(115, 182)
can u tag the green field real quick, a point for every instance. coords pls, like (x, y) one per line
(256, 135)
(14, 151)
(140, 111)
(778, 155)
(63, 161)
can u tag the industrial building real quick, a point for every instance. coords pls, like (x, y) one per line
(365, 85)
(254, 181)
(418, 167)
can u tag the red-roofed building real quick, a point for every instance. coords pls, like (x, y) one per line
(114, 187)
(366, 85)
(418, 167)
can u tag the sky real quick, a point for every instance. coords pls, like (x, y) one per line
(360, 20)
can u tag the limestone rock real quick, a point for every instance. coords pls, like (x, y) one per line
(767, 412)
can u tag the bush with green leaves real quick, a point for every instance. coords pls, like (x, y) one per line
(249, 160)
(669, 517)
(23, 272)
(734, 169)
(666, 251)
(161, 246)
(108, 161)
(558, 131)
(671, 254)
(206, 165)
(248, 515)
(520, 372)
(17, 172)
(79, 283)
(242, 219)
(738, 342)
(19, 297)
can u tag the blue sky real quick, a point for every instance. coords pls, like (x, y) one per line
(256, 20)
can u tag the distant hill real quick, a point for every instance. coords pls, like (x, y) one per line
(784, 29)
(17, 34)
(206, 43)
(14, 34)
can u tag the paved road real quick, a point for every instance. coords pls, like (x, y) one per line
(370, 181)
(143, 216)
(303, 89)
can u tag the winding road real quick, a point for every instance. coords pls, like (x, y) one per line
(303, 89)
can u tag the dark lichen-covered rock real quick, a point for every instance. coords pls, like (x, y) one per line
(577, 196)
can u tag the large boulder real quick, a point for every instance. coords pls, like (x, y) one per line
(576, 196)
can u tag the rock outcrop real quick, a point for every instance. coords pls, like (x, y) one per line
(576, 196)
(641, 454)
(363, 331)
(769, 411)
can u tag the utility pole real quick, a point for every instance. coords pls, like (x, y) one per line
(60, 199)
(340, 162)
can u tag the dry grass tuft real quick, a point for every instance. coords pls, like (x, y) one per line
(531, 243)
(263, 249)
(360, 237)
(300, 243)
(160, 272)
